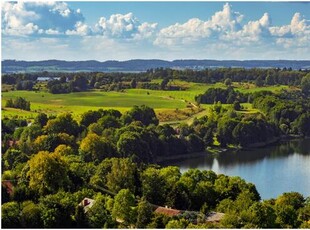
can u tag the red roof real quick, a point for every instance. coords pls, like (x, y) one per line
(9, 186)
(167, 211)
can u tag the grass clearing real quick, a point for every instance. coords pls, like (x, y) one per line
(170, 106)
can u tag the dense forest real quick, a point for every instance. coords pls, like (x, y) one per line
(53, 163)
(76, 82)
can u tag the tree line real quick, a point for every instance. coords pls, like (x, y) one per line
(72, 82)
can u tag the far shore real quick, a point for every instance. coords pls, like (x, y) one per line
(217, 150)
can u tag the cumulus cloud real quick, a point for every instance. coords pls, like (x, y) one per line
(222, 22)
(227, 27)
(34, 24)
(26, 18)
(125, 26)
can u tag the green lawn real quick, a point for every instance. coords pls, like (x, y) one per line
(160, 100)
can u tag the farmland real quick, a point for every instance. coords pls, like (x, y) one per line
(168, 105)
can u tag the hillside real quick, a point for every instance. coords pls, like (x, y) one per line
(143, 65)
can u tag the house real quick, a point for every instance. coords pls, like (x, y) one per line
(87, 203)
(215, 217)
(8, 186)
(168, 211)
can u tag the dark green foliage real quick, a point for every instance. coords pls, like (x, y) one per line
(19, 103)
(31, 215)
(222, 95)
(144, 213)
(56, 210)
(63, 123)
(141, 113)
(10, 215)
(41, 119)
(305, 84)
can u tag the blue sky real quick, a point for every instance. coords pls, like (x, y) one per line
(161, 30)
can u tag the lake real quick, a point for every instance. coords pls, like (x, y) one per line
(284, 167)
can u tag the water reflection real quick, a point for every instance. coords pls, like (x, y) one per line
(275, 169)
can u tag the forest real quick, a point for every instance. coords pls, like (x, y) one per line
(52, 163)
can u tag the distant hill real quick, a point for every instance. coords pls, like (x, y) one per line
(139, 65)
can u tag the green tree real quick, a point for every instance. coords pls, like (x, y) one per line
(41, 119)
(57, 210)
(141, 113)
(99, 216)
(144, 213)
(133, 83)
(259, 82)
(262, 215)
(30, 215)
(305, 84)
(153, 186)
(10, 215)
(180, 224)
(96, 148)
(12, 157)
(63, 123)
(131, 144)
(122, 175)
(228, 82)
(48, 172)
(90, 117)
(123, 208)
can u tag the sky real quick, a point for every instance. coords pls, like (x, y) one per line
(73, 31)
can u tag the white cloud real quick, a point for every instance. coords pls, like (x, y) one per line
(26, 18)
(222, 22)
(80, 29)
(28, 27)
(125, 26)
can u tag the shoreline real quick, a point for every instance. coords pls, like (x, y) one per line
(218, 150)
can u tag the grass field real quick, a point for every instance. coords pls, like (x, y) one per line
(168, 105)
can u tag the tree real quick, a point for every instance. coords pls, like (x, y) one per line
(179, 224)
(153, 186)
(63, 123)
(109, 121)
(90, 117)
(131, 144)
(164, 83)
(303, 124)
(123, 208)
(116, 174)
(141, 113)
(12, 157)
(95, 148)
(41, 119)
(48, 172)
(99, 216)
(19, 103)
(237, 105)
(262, 215)
(56, 210)
(305, 84)
(133, 83)
(228, 82)
(10, 215)
(30, 215)
(225, 129)
(122, 175)
(259, 82)
(144, 213)
(270, 80)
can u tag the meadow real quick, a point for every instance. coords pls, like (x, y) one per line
(169, 106)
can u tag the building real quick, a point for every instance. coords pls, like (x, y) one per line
(168, 211)
(87, 203)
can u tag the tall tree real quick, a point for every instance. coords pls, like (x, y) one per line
(48, 172)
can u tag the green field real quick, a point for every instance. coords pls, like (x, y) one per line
(162, 101)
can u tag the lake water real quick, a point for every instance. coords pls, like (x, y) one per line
(284, 167)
